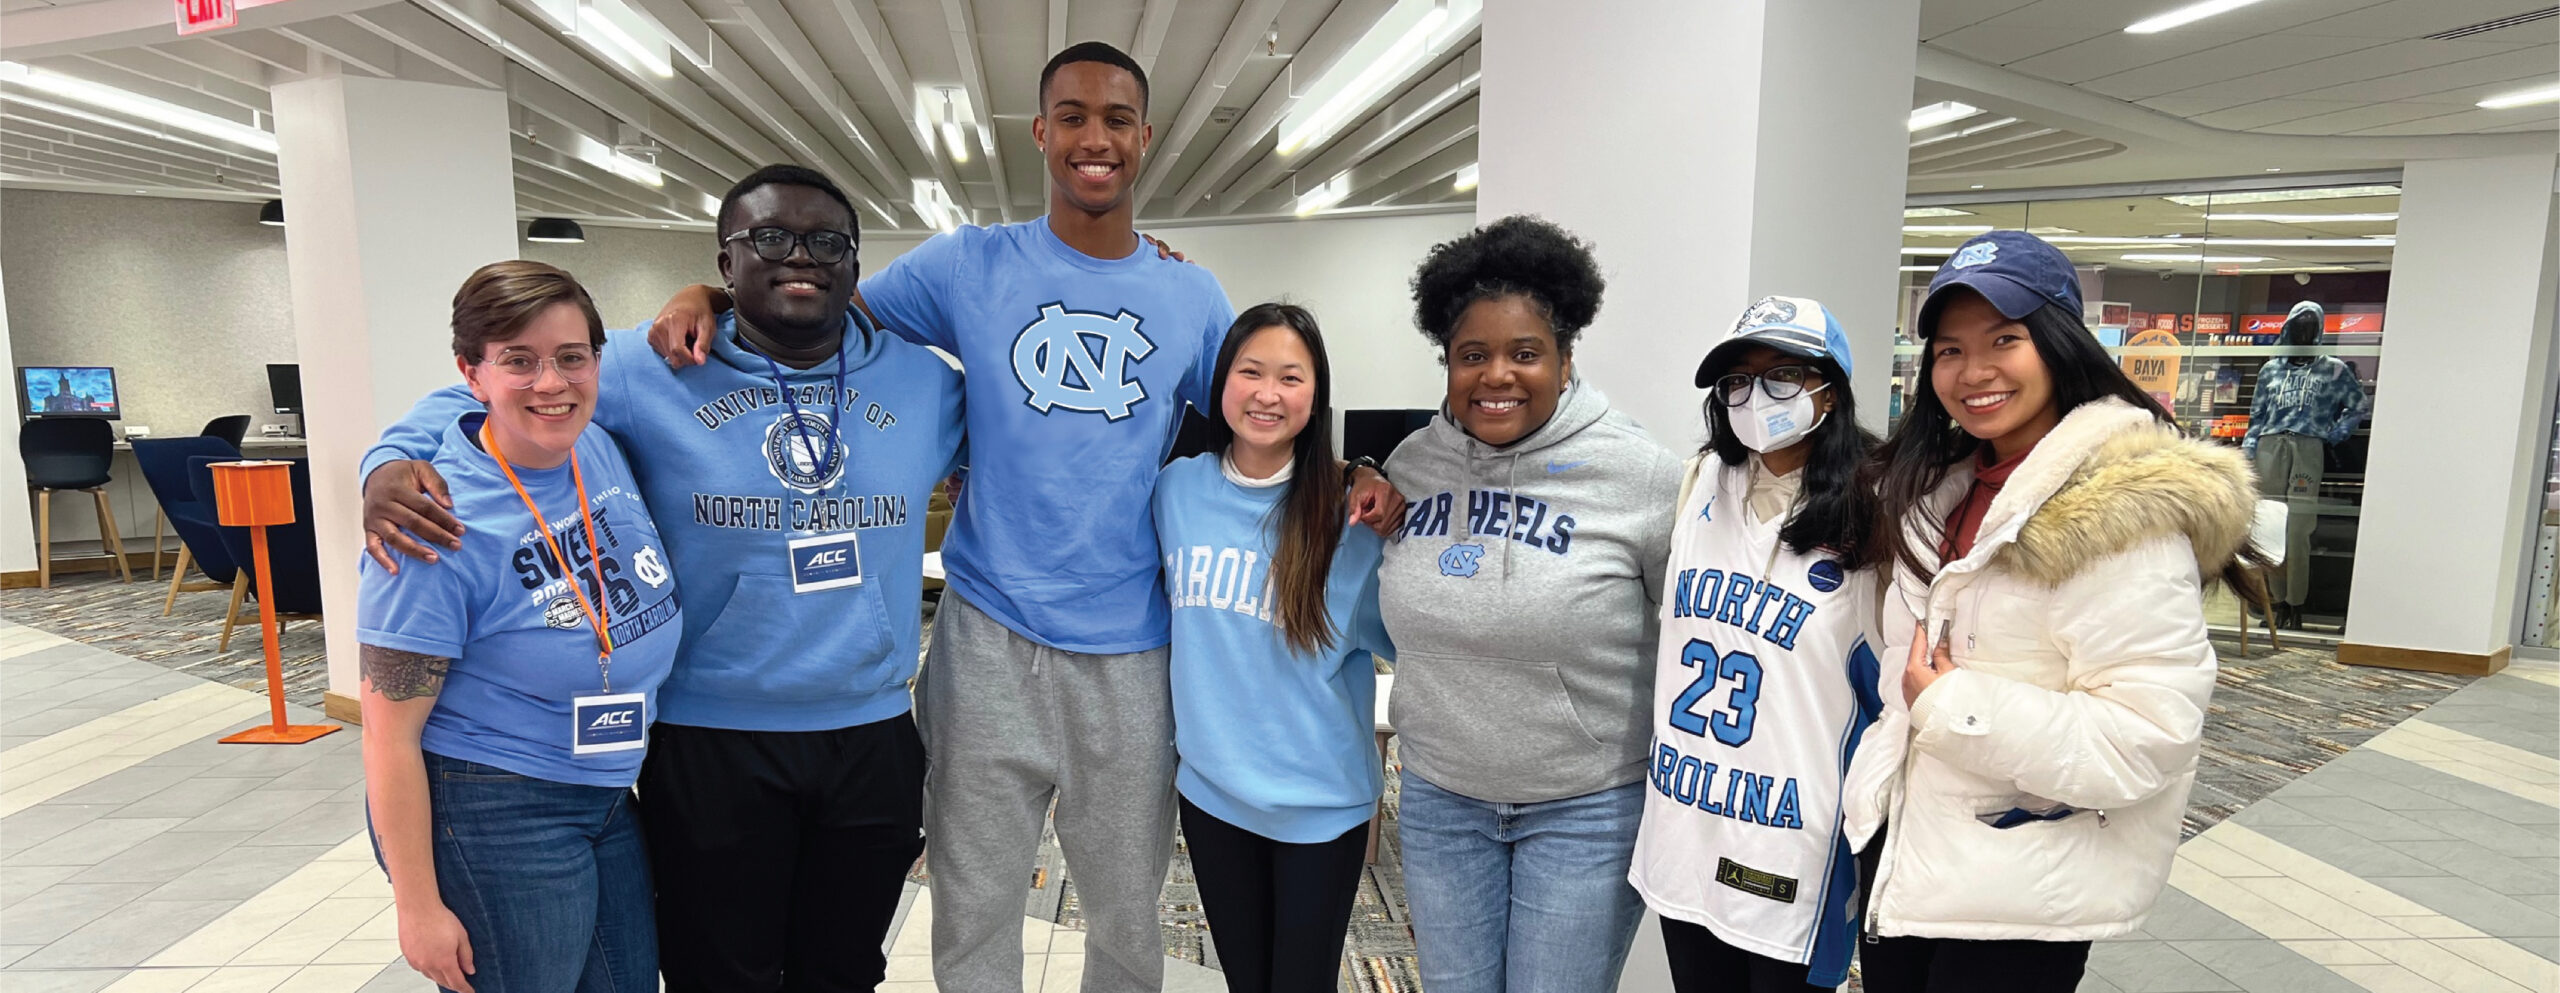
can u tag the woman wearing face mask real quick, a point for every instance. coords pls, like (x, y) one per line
(1275, 615)
(1521, 595)
(2050, 533)
(1765, 676)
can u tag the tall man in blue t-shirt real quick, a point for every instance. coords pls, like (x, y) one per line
(782, 795)
(1048, 672)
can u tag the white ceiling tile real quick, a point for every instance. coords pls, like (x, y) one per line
(2307, 79)
(1999, 44)
(2231, 61)
(2464, 122)
(2188, 106)
(2359, 117)
(1938, 17)
(2265, 112)
(2110, 54)
(2398, 19)
(2474, 78)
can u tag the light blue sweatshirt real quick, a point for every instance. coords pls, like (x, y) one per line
(725, 461)
(1272, 740)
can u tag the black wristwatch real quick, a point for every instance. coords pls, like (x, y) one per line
(1373, 464)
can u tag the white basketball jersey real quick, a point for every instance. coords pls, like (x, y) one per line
(1762, 684)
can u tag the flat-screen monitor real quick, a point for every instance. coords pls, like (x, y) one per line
(285, 382)
(69, 391)
(1376, 433)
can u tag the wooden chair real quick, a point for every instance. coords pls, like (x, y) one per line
(69, 454)
(2266, 530)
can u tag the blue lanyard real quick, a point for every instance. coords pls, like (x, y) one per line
(800, 423)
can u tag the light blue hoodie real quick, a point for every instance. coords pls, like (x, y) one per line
(1272, 740)
(724, 464)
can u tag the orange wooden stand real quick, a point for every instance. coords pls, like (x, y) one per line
(254, 495)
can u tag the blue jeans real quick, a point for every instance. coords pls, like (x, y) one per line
(549, 879)
(1520, 897)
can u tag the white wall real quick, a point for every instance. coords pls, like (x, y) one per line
(2452, 474)
(17, 519)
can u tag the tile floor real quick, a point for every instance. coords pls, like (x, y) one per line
(138, 855)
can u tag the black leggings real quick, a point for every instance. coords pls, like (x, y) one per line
(1949, 965)
(1703, 963)
(1277, 911)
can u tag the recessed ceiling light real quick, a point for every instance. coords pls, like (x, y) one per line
(2305, 218)
(1915, 212)
(1919, 268)
(2142, 257)
(1942, 112)
(2275, 168)
(2188, 14)
(2523, 98)
(2281, 196)
(1945, 229)
(1975, 186)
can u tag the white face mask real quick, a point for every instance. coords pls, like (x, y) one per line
(1766, 425)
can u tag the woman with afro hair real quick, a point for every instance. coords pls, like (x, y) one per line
(1520, 597)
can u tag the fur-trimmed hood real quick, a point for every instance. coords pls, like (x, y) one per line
(2110, 476)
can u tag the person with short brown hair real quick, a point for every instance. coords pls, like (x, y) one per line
(510, 684)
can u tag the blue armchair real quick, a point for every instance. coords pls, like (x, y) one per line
(293, 550)
(164, 467)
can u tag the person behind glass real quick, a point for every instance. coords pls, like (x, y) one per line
(509, 686)
(2304, 405)
(2050, 532)
(1520, 595)
(1766, 675)
(1275, 618)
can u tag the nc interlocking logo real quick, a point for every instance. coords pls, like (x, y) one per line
(649, 567)
(1059, 369)
(1979, 253)
(1460, 560)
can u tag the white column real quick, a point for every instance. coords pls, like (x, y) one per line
(1712, 153)
(394, 192)
(2452, 478)
(17, 514)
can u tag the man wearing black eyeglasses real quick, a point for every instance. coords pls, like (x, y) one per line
(782, 794)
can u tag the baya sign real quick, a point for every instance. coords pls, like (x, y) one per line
(206, 15)
(2151, 361)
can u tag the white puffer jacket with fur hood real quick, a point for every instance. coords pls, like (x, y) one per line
(2036, 791)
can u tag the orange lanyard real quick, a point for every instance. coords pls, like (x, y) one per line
(595, 611)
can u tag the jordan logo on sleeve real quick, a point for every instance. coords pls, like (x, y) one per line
(1078, 361)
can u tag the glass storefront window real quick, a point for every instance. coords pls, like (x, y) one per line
(2191, 292)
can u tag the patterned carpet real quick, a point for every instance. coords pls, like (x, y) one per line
(2275, 715)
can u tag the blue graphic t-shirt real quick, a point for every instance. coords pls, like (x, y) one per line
(500, 607)
(1078, 372)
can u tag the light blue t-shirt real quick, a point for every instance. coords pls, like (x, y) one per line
(500, 607)
(1272, 740)
(1078, 372)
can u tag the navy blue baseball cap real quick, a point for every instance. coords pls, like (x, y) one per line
(2018, 272)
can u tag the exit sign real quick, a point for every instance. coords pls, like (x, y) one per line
(206, 15)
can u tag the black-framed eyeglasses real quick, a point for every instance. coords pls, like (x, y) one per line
(775, 244)
(1779, 382)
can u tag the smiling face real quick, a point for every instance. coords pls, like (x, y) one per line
(1093, 131)
(795, 300)
(1987, 372)
(1506, 372)
(537, 423)
(1270, 389)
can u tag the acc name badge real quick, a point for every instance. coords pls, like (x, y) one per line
(608, 723)
(826, 562)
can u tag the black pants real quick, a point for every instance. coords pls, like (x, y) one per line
(780, 855)
(1949, 965)
(1278, 911)
(1703, 963)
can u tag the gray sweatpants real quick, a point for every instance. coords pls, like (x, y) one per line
(2289, 469)
(1007, 723)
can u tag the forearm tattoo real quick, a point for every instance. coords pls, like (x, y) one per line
(399, 675)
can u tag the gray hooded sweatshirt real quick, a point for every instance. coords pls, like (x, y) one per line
(1521, 599)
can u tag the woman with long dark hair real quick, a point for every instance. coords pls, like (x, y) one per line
(1275, 617)
(2050, 533)
(1765, 676)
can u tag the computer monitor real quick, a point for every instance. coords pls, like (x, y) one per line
(69, 391)
(1376, 433)
(285, 382)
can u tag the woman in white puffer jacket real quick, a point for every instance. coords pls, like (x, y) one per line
(2051, 532)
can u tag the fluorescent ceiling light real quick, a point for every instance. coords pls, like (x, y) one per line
(617, 162)
(1945, 229)
(2523, 98)
(955, 142)
(622, 30)
(137, 105)
(2188, 14)
(2290, 268)
(2383, 241)
(1967, 132)
(1942, 112)
(933, 202)
(943, 109)
(1909, 213)
(2306, 218)
(1400, 43)
(2051, 232)
(2281, 196)
(1466, 178)
(1921, 250)
(2142, 257)
(1919, 268)
(711, 206)
(1326, 195)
